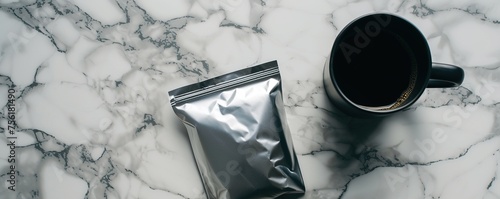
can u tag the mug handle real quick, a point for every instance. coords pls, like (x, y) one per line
(445, 76)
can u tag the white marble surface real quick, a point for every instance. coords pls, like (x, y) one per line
(93, 121)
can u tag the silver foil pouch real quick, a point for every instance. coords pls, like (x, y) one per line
(239, 135)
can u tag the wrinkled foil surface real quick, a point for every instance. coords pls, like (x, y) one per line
(238, 133)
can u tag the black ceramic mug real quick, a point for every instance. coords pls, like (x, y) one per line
(380, 64)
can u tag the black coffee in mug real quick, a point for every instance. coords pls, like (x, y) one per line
(381, 63)
(386, 62)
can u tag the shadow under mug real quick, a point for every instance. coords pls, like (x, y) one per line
(380, 64)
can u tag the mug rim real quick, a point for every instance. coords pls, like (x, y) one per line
(409, 102)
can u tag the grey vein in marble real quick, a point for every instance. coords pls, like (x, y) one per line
(93, 120)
